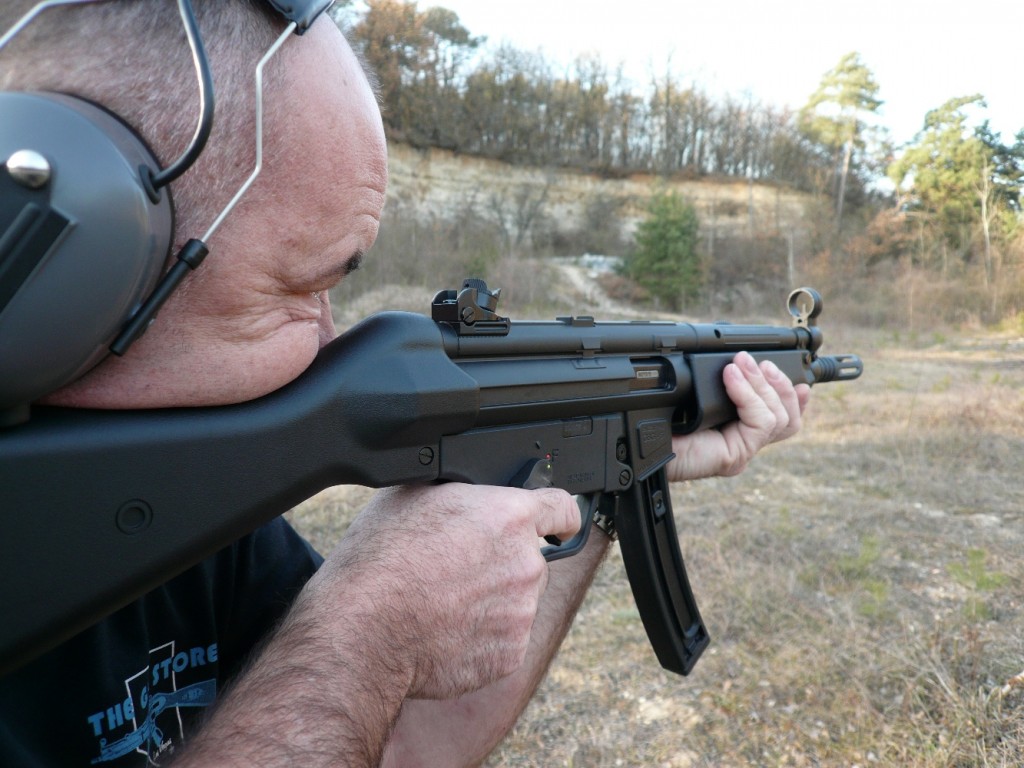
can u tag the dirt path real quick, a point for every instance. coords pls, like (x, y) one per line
(585, 282)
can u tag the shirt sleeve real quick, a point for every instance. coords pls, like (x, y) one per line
(256, 581)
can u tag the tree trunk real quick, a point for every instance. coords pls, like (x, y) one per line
(847, 156)
(987, 239)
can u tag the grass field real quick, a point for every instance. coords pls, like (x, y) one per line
(863, 584)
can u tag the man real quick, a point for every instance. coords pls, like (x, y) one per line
(422, 636)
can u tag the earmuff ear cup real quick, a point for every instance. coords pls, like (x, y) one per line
(83, 285)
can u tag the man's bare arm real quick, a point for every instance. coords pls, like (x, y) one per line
(463, 731)
(432, 592)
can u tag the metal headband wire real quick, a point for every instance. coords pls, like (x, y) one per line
(25, 20)
(259, 132)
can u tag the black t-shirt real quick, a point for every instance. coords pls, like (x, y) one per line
(124, 692)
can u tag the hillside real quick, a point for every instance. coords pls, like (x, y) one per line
(439, 183)
(527, 229)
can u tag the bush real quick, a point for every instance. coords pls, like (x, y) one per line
(666, 261)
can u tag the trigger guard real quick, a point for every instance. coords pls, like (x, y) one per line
(560, 549)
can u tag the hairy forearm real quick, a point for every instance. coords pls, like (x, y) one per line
(396, 612)
(316, 694)
(463, 731)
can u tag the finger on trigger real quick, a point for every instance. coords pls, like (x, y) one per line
(557, 515)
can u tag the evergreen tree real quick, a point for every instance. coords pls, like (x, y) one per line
(666, 261)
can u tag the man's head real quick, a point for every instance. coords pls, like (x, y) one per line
(253, 316)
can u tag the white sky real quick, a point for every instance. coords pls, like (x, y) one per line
(922, 52)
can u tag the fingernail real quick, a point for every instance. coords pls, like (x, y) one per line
(771, 370)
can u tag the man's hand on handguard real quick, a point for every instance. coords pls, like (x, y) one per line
(769, 408)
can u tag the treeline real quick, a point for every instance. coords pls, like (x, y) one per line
(440, 88)
(947, 239)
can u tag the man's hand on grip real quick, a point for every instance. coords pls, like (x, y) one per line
(458, 573)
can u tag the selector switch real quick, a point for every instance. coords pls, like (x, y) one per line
(536, 473)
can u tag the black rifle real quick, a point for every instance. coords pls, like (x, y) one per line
(101, 506)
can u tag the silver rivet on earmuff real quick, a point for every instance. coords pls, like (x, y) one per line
(29, 168)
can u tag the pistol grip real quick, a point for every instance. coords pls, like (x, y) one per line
(657, 576)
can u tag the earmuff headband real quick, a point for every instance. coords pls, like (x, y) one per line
(301, 12)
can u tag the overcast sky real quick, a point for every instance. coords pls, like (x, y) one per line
(922, 53)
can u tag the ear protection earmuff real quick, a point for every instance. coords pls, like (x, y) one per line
(82, 245)
(84, 231)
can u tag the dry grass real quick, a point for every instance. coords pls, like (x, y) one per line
(861, 583)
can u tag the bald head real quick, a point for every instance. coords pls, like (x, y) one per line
(255, 314)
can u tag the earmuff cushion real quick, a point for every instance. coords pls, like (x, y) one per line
(62, 315)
